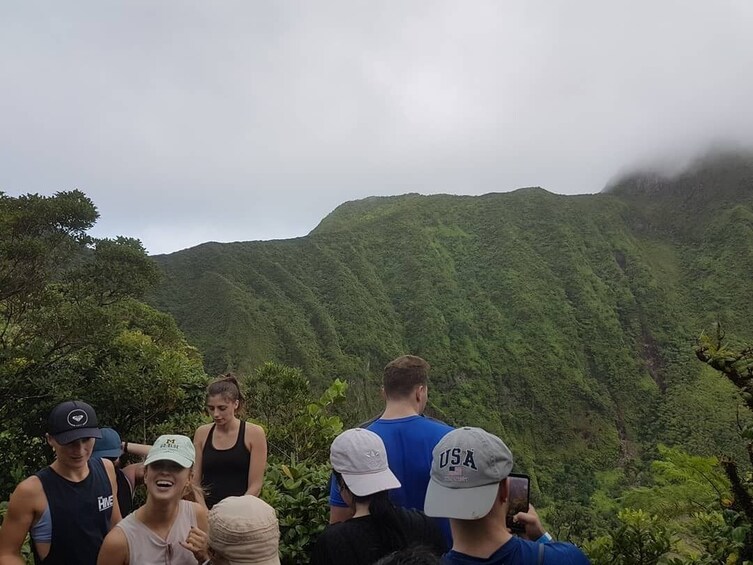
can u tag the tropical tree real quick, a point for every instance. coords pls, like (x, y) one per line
(300, 428)
(72, 326)
(736, 364)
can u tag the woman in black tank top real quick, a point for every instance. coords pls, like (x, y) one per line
(231, 454)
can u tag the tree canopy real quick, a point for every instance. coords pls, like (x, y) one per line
(72, 326)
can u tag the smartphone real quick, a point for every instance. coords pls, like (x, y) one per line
(518, 498)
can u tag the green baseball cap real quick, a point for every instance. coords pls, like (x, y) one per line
(175, 448)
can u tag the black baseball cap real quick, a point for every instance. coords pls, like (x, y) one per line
(73, 420)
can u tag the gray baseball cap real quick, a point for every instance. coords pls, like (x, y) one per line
(360, 457)
(467, 466)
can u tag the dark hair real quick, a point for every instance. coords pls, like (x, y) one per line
(403, 375)
(226, 386)
(391, 535)
(416, 555)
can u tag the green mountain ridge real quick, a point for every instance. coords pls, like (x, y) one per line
(563, 323)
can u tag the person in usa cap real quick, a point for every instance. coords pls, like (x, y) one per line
(469, 485)
(69, 506)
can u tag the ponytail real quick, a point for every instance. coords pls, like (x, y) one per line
(228, 387)
(194, 493)
(390, 531)
(385, 514)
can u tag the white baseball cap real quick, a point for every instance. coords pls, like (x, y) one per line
(360, 457)
(175, 448)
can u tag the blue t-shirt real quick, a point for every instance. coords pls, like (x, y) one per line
(409, 442)
(518, 551)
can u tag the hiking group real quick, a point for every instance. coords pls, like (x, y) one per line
(405, 489)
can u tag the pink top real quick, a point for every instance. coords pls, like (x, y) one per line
(147, 548)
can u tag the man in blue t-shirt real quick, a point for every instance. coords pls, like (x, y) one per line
(408, 436)
(469, 486)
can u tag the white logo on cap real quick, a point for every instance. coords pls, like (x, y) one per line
(77, 417)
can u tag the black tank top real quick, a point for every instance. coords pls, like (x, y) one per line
(225, 471)
(125, 493)
(80, 514)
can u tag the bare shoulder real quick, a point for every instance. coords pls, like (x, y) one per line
(202, 516)
(27, 503)
(116, 538)
(200, 510)
(201, 433)
(114, 550)
(28, 486)
(109, 467)
(255, 432)
(30, 492)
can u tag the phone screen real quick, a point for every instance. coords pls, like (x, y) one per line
(517, 499)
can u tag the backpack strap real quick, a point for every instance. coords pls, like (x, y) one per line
(541, 554)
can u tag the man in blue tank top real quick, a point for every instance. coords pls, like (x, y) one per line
(408, 436)
(469, 485)
(68, 507)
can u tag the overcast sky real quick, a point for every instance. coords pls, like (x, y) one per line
(189, 121)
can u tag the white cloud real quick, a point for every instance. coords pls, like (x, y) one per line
(188, 121)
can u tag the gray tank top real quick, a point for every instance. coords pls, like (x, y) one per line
(147, 548)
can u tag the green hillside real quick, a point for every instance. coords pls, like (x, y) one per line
(563, 323)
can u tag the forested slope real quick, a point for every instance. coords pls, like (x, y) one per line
(563, 323)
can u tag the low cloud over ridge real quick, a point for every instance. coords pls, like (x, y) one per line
(194, 121)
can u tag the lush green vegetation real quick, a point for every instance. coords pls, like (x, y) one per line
(566, 325)
(72, 326)
(300, 429)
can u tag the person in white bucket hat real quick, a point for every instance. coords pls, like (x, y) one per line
(377, 528)
(243, 530)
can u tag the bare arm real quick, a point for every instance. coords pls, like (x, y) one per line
(137, 449)
(135, 471)
(116, 516)
(202, 518)
(25, 505)
(258, 448)
(197, 541)
(199, 439)
(114, 550)
(135, 474)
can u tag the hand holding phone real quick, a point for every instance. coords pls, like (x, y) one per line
(518, 500)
